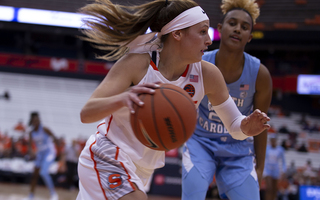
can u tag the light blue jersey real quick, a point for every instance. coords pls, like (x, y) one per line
(46, 154)
(45, 147)
(272, 162)
(242, 92)
(42, 140)
(211, 149)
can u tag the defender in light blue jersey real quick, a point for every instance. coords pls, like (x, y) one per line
(44, 140)
(272, 170)
(211, 151)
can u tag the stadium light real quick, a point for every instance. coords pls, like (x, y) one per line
(51, 18)
(57, 18)
(7, 13)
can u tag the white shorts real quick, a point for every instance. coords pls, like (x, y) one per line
(107, 172)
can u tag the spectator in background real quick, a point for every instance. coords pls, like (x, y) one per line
(291, 171)
(286, 144)
(46, 153)
(272, 171)
(314, 128)
(302, 148)
(293, 139)
(283, 129)
(71, 158)
(283, 185)
(7, 142)
(271, 129)
(21, 147)
(306, 126)
(19, 127)
(60, 147)
(303, 120)
(308, 171)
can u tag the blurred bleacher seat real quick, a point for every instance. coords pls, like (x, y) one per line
(58, 100)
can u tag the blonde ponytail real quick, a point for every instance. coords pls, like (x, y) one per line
(112, 26)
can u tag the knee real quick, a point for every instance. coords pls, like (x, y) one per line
(194, 186)
(43, 172)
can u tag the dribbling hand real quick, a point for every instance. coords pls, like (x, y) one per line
(255, 123)
(133, 93)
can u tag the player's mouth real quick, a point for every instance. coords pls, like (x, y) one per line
(235, 37)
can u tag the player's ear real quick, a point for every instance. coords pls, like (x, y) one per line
(250, 38)
(219, 27)
(177, 34)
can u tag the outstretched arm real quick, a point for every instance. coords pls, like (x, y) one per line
(239, 126)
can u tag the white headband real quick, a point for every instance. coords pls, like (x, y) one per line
(190, 17)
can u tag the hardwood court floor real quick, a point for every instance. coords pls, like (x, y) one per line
(13, 191)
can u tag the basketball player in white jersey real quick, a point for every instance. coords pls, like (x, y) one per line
(114, 164)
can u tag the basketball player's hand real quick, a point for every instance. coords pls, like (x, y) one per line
(133, 93)
(255, 123)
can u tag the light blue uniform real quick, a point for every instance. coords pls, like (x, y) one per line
(212, 151)
(46, 153)
(272, 163)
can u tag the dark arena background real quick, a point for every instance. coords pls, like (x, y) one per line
(45, 67)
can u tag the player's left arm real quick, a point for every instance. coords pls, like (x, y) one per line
(261, 101)
(49, 132)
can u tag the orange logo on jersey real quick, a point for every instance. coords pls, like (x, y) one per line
(114, 180)
(190, 89)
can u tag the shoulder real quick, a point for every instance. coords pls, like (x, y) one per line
(47, 130)
(263, 78)
(134, 60)
(251, 57)
(263, 71)
(209, 55)
(131, 67)
(281, 149)
(214, 83)
(209, 69)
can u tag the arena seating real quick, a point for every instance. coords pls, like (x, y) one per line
(58, 100)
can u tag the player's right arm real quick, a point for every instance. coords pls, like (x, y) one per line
(113, 93)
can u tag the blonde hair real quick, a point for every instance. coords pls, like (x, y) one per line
(113, 25)
(250, 6)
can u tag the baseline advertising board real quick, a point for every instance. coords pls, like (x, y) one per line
(309, 192)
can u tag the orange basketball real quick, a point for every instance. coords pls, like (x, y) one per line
(166, 120)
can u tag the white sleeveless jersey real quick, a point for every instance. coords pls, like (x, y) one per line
(117, 126)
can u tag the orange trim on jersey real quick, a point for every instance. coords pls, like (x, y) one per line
(155, 68)
(129, 177)
(153, 65)
(109, 125)
(185, 72)
(117, 153)
(95, 168)
(195, 102)
(100, 124)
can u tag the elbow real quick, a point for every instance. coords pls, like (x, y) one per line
(84, 117)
